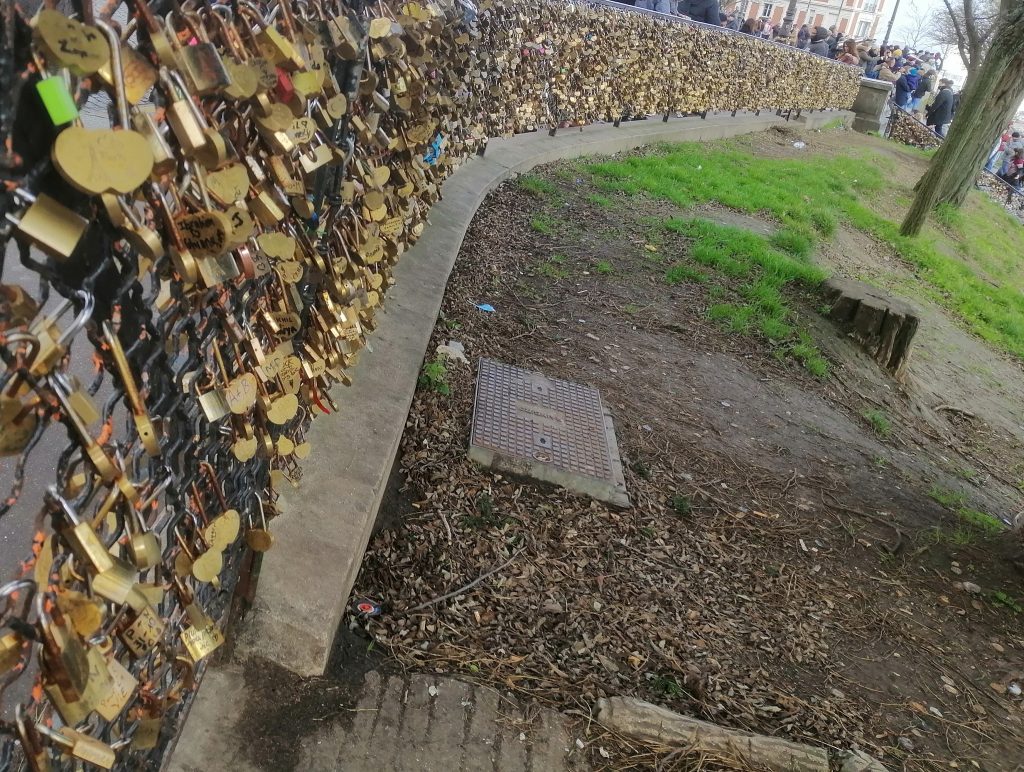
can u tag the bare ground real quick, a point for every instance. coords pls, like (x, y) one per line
(784, 568)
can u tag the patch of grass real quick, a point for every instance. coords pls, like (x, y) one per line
(680, 273)
(966, 473)
(977, 277)
(631, 308)
(603, 267)
(960, 536)
(1000, 598)
(552, 268)
(666, 686)
(602, 201)
(795, 241)
(775, 330)
(681, 505)
(971, 520)
(766, 270)
(543, 224)
(435, 377)
(647, 532)
(834, 124)
(808, 355)
(947, 498)
(537, 187)
(879, 421)
(980, 521)
(949, 216)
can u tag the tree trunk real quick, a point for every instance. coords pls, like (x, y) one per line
(990, 98)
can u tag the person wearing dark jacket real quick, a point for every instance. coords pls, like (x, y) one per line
(924, 88)
(706, 11)
(940, 111)
(803, 38)
(905, 86)
(819, 42)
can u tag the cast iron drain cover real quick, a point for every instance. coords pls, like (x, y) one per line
(548, 429)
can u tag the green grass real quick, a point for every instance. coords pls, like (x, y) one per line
(972, 267)
(760, 268)
(681, 505)
(666, 686)
(880, 423)
(971, 520)
(947, 498)
(602, 201)
(681, 272)
(603, 267)
(980, 521)
(1000, 598)
(553, 267)
(537, 186)
(949, 216)
(542, 223)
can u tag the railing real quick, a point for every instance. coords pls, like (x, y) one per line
(903, 127)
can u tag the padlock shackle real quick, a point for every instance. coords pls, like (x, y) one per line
(53, 497)
(117, 71)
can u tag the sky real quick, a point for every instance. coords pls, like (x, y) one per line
(905, 17)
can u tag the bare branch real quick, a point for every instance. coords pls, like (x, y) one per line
(967, 24)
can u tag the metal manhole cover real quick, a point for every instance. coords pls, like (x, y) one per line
(546, 428)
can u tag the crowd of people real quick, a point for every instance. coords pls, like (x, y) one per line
(917, 86)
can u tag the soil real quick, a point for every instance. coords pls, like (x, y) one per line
(785, 568)
(282, 707)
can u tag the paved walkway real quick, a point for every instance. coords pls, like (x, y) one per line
(399, 723)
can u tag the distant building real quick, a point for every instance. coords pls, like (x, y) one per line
(861, 19)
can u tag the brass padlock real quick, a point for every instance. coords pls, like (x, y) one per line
(201, 62)
(49, 225)
(144, 628)
(145, 124)
(53, 344)
(106, 469)
(63, 657)
(183, 116)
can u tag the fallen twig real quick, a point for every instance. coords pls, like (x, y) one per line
(465, 587)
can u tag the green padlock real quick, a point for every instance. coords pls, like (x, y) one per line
(58, 100)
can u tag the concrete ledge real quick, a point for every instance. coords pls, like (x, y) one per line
(305, 580)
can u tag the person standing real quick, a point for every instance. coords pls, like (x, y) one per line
(1016, 143)
(706, 11)
(905, 86)
(849, 52)
(889, 72)
(803, 38)
(924, 88)
(819, 42)
(940, 111)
